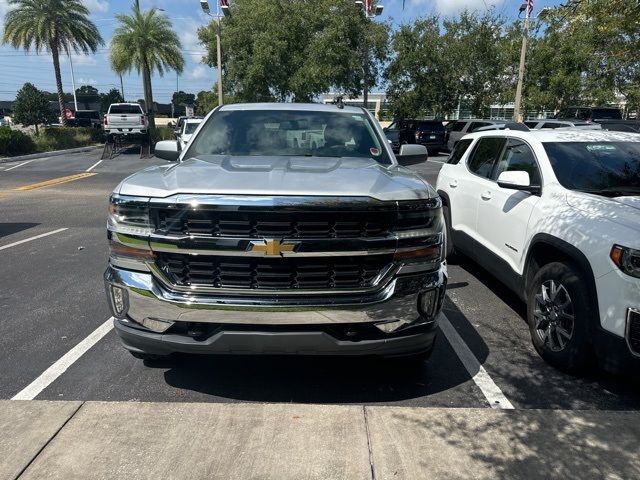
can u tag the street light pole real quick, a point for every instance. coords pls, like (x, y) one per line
(218, 16)
(73, 80)
(517, 110)
(369, 12)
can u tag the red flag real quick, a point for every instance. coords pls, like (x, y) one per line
(224, 3)
(530, 6)
(369, 7)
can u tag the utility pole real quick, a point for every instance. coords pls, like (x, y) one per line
(73, 80)
(369, 12)
(517, 110)
(224, 6)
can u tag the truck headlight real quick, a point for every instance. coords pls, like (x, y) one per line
(626, 259)
(129, 215)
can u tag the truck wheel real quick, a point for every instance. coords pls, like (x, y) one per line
(448, 241)
(559, 312)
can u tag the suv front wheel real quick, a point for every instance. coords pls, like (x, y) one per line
(559, 312)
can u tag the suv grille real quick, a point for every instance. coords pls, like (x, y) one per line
(277, 273)
(278, 224)
(633, 331)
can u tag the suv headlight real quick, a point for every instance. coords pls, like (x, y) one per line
(626, 259)
(129, 215)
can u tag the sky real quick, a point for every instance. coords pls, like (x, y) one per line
(186, 16)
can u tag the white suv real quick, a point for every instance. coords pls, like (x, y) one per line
(555, 215)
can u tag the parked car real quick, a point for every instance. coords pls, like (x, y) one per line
(590, 114)
(430, 133)
(86, 118)
(126, 119)
(553, 123)
(460, 128)
(251, 244)
(555, 215)
(189, 126)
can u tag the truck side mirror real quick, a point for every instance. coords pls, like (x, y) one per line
(167, 150)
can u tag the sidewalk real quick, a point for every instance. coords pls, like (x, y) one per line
(67, 440)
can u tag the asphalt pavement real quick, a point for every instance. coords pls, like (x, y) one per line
(55, 331)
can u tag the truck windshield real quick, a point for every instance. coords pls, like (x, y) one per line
(289, 133)
(603, 168)
(125, 109)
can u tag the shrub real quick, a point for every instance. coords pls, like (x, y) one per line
(14, 142)
(59, 138)
(162, 133)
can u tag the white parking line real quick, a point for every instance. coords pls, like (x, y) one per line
(19, 165)
(479, 375)
(93, 166)
(32, 238)
(32, 390)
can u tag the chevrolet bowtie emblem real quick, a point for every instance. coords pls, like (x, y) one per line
(272, 247)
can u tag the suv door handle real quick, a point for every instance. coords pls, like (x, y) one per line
(453, 183)
(486, 195)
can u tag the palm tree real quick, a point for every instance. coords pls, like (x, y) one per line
(145, 41)
(54, 26)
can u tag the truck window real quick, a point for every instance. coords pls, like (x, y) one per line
(126, 109)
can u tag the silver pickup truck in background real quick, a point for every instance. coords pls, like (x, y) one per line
(125, 119)
(252, 242)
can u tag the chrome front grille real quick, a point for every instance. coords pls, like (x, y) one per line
(272, 223)
(273, 273)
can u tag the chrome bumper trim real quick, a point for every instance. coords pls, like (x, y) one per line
(398, 302)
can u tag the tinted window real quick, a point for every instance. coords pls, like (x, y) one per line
(475, 125)
(606, 113)
(554, 125)
(190, 127)
(605, 168)
(584, 114)
(518, 156)
(531, 124)
(87, 114)
(458, 151)
(458, 126)
(125, 109)
(284, 132)
(485, 155)
(431, 127)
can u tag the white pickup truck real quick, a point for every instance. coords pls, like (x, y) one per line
(125, 119)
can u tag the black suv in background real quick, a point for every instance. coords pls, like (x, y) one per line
(590, 114)
(429, 133)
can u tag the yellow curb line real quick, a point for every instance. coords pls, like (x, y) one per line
(55, 181)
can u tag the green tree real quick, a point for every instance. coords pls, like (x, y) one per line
(206, 101)
(144, 41)
(112, 96)
(183, 98)
(54, 26)
(31, 107)
(288, 49)
(87, 94)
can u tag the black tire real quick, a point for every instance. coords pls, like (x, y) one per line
(549, 324)
(449, 248)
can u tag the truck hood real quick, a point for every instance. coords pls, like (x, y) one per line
(300, 176)
(621, 210)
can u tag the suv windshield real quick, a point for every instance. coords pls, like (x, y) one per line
(190, 127)
(290, 133)
(604, 168)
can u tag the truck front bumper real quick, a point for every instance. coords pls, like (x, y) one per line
(399, 319)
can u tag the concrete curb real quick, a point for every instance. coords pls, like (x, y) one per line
(54, 153)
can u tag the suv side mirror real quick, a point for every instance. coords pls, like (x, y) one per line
(411, 154)
(517, 180)
(167, 150)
